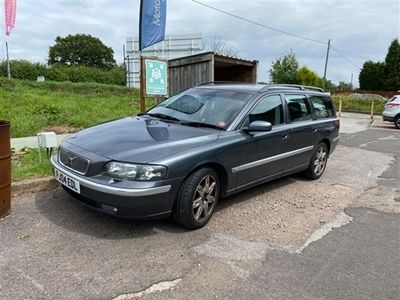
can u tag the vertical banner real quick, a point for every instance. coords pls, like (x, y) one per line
(10, 9)
(153, 14)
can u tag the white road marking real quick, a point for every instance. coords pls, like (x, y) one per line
(157, 287)
(340, 220)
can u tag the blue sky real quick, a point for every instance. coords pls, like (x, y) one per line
(360, 29)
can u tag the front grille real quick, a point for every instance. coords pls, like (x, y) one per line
(73, 161)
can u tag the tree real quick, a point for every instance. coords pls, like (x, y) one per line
(81, 49)
(344, 86)
(223, 48)
(284, 69)
(307, 77)
(372, 75)
(392, 67)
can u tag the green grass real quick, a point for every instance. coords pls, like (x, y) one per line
(35, 106)
(355, 104)
(26, 164)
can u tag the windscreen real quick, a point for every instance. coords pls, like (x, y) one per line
(208, 106)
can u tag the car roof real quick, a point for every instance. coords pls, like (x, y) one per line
(253, 88)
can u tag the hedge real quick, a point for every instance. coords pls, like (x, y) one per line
(25, 70)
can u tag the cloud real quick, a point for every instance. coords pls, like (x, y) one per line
(360, 29)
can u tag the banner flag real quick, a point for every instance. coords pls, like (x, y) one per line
(10, 9)
(153, 14)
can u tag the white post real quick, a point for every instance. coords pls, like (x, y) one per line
(8, 62)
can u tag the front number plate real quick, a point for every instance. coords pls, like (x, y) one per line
(67, 181)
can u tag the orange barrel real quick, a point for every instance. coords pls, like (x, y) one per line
(5, 168)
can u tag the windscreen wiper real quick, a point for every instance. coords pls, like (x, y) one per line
(200, 124)
(159, 116)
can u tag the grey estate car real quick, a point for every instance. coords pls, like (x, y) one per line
(208, 142)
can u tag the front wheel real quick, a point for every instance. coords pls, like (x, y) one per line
(318, 162)
(397, 122)
(197, 199)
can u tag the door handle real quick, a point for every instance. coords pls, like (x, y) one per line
(285, 136)
(315, 130)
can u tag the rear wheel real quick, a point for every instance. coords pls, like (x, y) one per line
(397, 122)
(197, 199)
(318, 162)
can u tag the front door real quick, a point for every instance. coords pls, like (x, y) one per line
(261, 153)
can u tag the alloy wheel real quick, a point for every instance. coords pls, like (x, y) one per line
(204, 198)
(320, 160)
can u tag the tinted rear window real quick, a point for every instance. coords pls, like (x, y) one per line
(323, 107)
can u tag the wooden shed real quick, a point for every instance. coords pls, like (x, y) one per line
(186, 72)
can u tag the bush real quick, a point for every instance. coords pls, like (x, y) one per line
(24, 70)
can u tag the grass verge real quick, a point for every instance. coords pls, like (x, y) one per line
(26, 164)
(32, 107)
(354, 104)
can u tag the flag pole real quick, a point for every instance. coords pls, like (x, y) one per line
(142, 83)
(8, 62)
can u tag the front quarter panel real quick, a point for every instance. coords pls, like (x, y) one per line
(222, 152)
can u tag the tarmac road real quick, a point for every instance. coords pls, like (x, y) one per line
(334, 238)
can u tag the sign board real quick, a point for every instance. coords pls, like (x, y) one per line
(173, 46)
(156, 77)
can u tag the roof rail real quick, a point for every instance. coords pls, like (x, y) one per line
(294, 86)
(221, 82)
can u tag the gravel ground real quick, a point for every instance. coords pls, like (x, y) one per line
(285, 212)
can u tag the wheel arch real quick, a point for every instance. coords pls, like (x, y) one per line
(218, 168)
(327, 143)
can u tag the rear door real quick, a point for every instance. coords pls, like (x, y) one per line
(303, 134)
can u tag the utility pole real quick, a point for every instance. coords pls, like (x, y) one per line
(351, 81)
(326, 61)
(8, 63)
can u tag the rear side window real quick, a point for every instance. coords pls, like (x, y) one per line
(322, 107)
(299, 108)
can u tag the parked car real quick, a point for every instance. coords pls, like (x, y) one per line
(391, 113)
(211, 141)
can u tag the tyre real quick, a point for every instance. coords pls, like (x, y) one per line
(318, 162)
(397, 122)
(197, 199)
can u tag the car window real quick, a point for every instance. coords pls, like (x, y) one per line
(299, 108)
(322, 107)
(269, 109)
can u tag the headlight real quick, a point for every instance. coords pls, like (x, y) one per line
(135, 172)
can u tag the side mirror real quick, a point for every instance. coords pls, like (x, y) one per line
(258, 126)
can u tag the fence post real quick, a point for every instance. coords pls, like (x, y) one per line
(372, 110)
(340, 107)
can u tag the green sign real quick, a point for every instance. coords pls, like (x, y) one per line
(156, 77)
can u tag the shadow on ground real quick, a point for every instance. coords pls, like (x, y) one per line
(64, 211)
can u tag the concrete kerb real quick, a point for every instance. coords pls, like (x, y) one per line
(34, 185)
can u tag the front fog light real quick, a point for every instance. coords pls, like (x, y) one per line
(152, 172)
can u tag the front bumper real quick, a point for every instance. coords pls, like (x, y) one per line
(141, 201)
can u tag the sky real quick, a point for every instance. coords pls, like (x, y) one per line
(360, 30)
